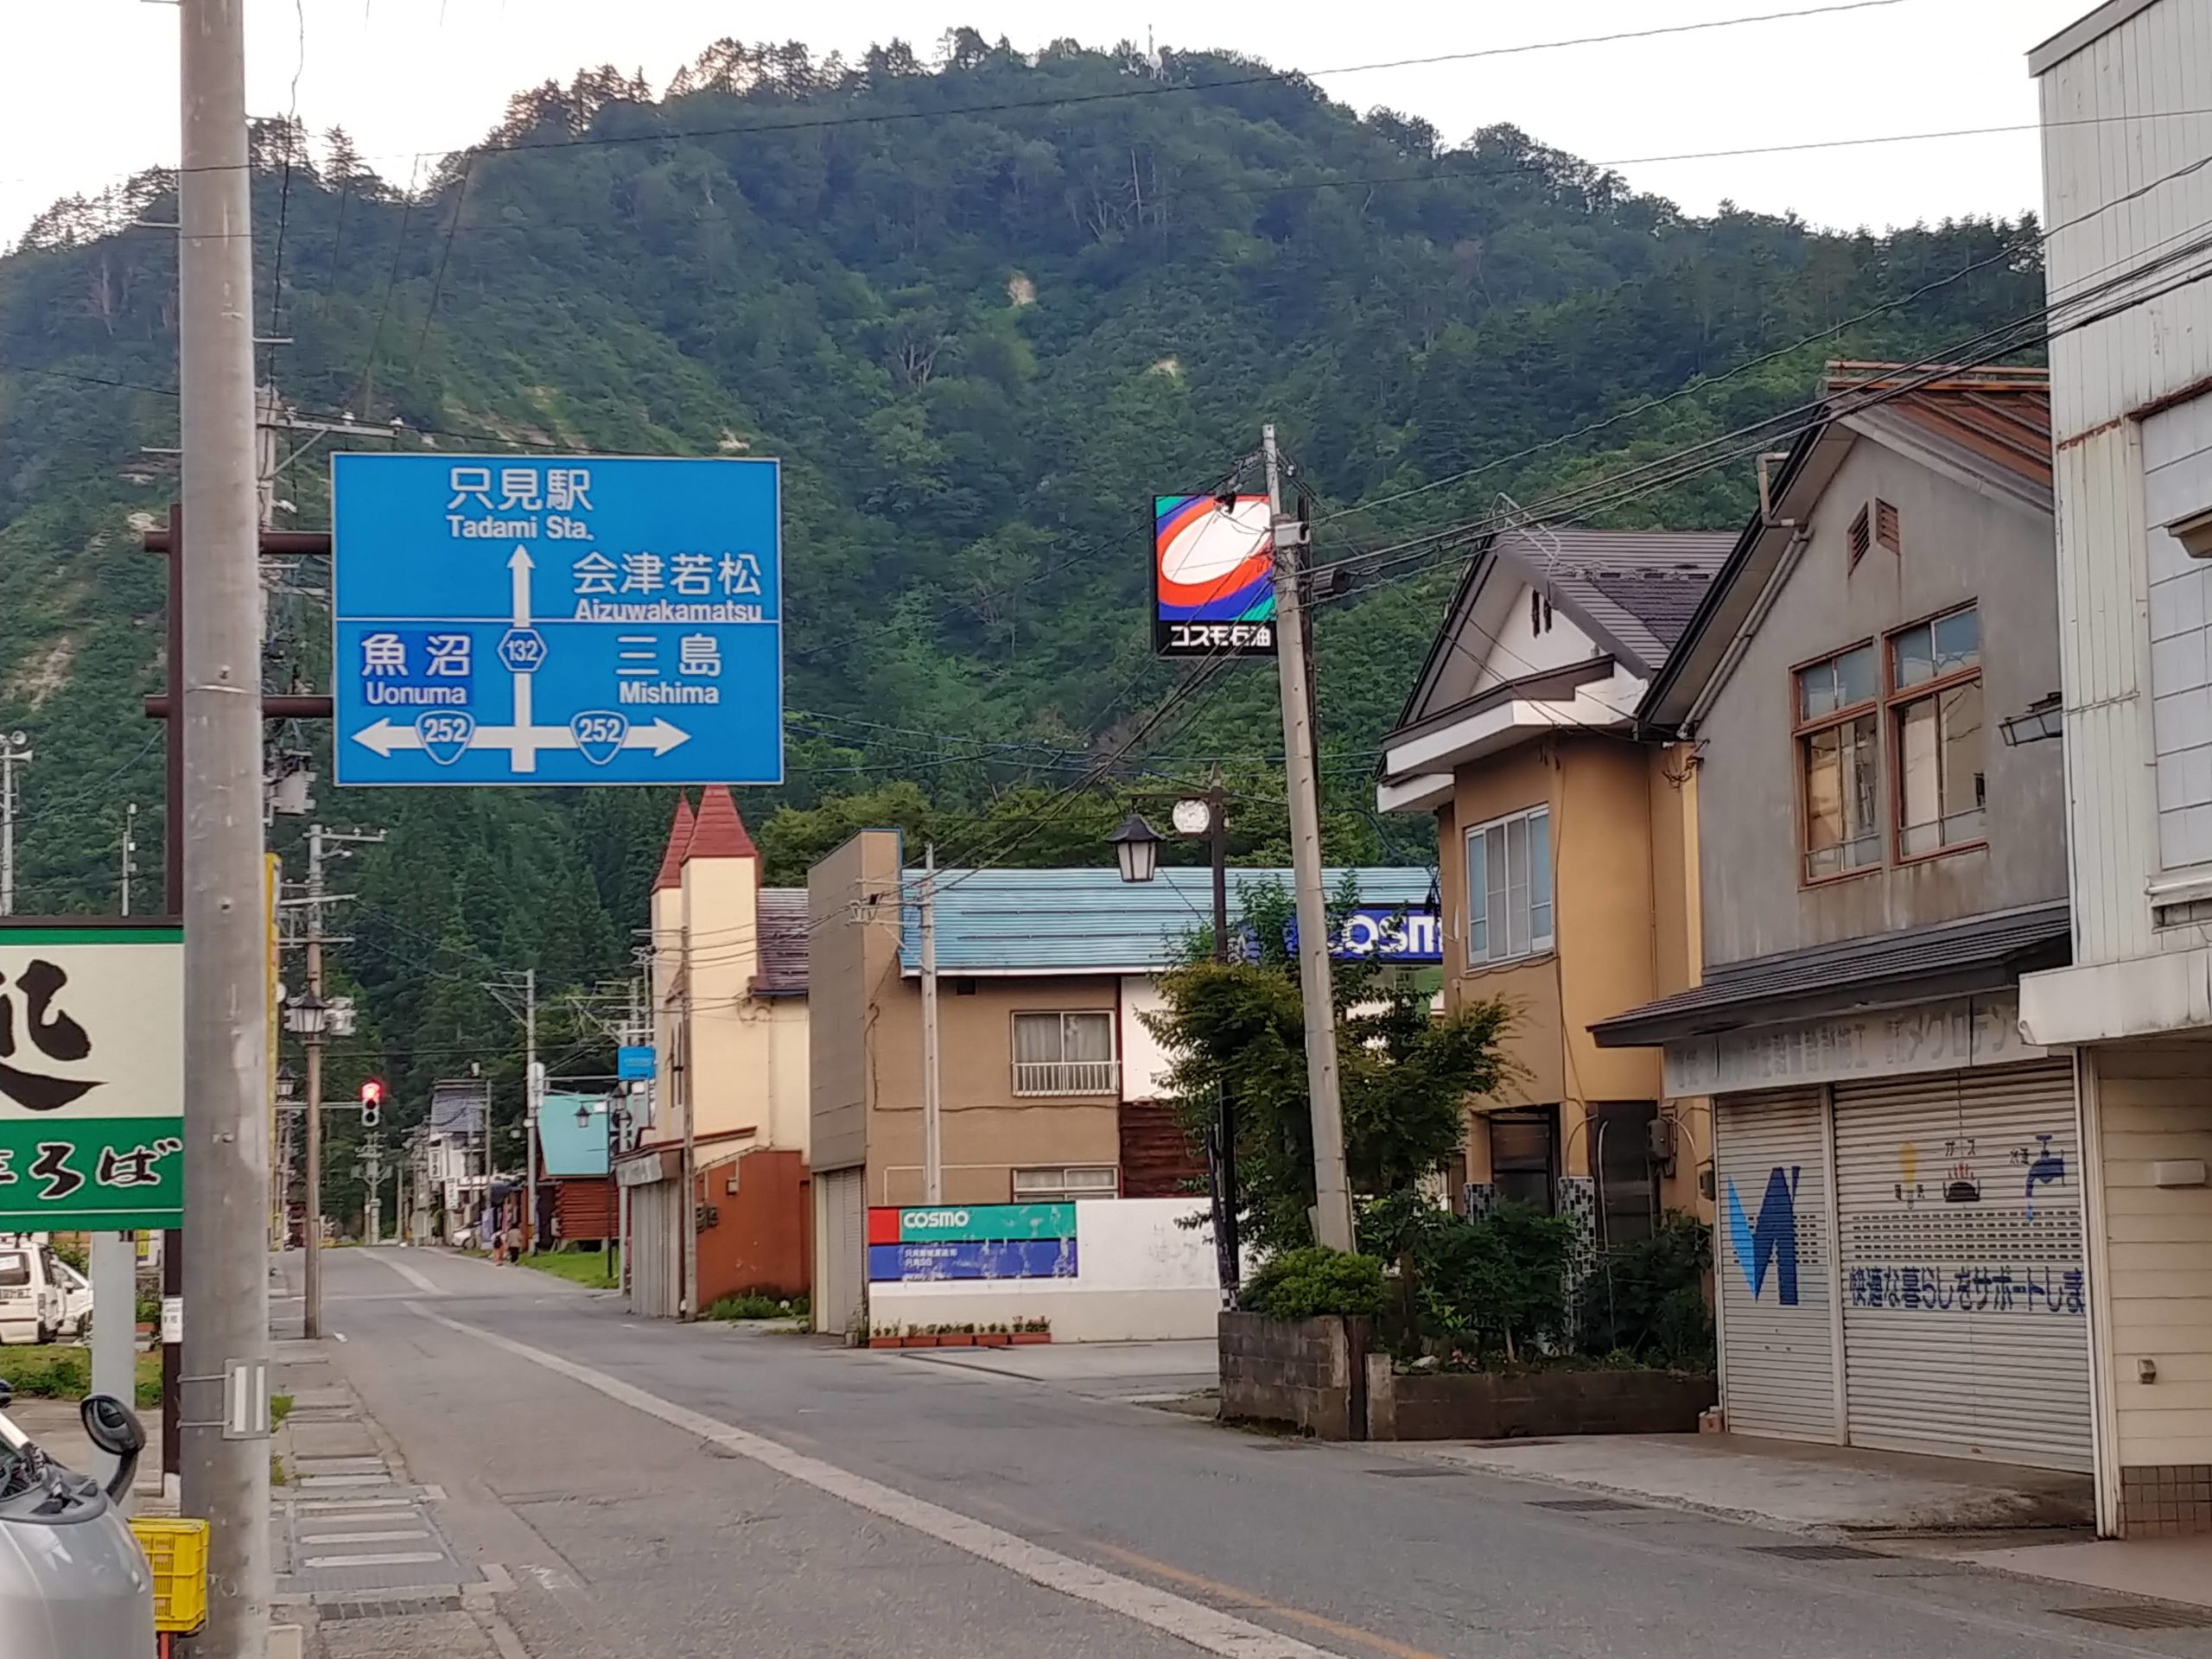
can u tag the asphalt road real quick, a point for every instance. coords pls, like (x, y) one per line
(658, 1491)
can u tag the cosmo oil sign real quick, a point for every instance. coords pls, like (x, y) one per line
(1212, 576)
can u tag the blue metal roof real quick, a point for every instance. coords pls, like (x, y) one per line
(1091, 921)
(568, 1150)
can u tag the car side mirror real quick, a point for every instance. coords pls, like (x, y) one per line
(6, 1394)
(112, 1426)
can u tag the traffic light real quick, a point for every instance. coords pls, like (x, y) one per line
(371, 1104)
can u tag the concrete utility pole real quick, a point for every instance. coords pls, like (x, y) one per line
(684, 1088)
(373, 1160)
(129, 851)
(14, 751)
(932, 1109)
(224, 1421)
(533, 1092)
(1332, 1190)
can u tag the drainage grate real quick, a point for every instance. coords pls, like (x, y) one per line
(1586, 1505)
(1819, 1553)
(396, 1607)
(1414, 1471)
(2143, 1616)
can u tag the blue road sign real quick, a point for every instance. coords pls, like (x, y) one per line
(633, 1063)
(556, 619)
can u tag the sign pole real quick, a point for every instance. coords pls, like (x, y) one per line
(225, 1425)
(1332, 1190)
(114, 1321)
(932, 1114)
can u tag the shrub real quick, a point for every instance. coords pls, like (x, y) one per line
(1312, 1280)
(758, 1305)
(1501, 1280)
(1647, 1297)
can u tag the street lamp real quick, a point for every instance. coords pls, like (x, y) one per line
(287, 1086)
(1136, 846)
(616, 1117)
(308, 1016)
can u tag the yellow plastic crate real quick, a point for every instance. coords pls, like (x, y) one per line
(177, 1551)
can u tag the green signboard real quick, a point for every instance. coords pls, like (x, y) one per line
(91, 1077)
(955, 1223)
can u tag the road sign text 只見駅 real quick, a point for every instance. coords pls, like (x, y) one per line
(517, 618)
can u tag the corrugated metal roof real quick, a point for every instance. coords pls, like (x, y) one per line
(569, 1152)
(783, 943)
(2000, 416)
(1090, 920)
(1944, 958)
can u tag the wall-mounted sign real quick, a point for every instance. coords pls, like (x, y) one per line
(1887, 1043)
(634, 1062)
(1393, 933)
(1212, 576)
(977, 1241)
(92, 1078)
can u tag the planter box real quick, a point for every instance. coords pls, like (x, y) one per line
(1024, 1339)
(1308, 1374)
(1455, 1406)
(993, 1340)
(886, 1342)
(960, 1339)
(918, 1342)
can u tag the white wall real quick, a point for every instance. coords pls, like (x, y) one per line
(1140, 1277)
(1521, 648)
(1144, 1062)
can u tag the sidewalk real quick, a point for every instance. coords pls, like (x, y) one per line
(1790, 1484)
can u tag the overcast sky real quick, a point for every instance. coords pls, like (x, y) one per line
(90, 88)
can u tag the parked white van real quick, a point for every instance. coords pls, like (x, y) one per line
(34, 1294)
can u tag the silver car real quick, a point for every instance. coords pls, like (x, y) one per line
(73, 1583)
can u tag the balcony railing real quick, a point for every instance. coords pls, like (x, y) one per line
(1067, 1076)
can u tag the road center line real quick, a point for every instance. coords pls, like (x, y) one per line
(1204, 1628)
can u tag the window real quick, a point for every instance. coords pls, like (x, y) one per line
(1064, 1054)
(1523, 1155)
(1057, 1185)
(1936, 708)
(14, 1269)
(1628, 1183)
(1836, 749)
(1509, 887)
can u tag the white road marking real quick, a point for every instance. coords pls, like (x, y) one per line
(550, 1579)
(1204, 1628)
(413, 1275)
(401, 1535)
(397, 1558)
(323, 1483)
(497, 1576)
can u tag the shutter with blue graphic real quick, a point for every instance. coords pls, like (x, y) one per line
(1774, 1264)
(1965, 1332)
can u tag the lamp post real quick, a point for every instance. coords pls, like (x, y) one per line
(288, 1096)
(308, 1017)
(1136, 848)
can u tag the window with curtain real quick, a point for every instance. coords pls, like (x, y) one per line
(1063, 1053)
(1838, 762)
(1509, 887)
(1058, 1185)
(1936, 708)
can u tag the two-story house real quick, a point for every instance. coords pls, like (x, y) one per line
(1567, 849)
(2126, 199)
(1898, 1251)
(1051, 1084)
(728, 1116)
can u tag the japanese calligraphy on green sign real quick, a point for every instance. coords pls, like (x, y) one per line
(91, 1077)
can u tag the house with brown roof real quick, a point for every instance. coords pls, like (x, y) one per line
(1567, 856)
(1868, 688)
(726, 1118)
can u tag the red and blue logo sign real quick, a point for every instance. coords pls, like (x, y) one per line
(971, 1241)
(1213, 577)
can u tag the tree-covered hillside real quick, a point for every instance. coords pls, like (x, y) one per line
(983, 308)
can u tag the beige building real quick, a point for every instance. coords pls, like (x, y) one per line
(729, 993)
(1568, 857)
(1051, 1083)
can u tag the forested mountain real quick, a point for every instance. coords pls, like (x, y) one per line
(984, 308)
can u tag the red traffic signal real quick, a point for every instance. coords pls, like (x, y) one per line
(371, 1104)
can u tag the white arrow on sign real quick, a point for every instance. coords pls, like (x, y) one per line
(385, 738)
(519, 567)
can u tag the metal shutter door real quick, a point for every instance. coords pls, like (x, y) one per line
(1778, 1352)
(652, 1274)
(841, 1247)
(1964, 1333)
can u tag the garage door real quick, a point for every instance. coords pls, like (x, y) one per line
(1960, 1199)
(840, 1247)
(653, 1269)
(1779, 1355)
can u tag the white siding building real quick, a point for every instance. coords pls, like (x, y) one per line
(2126, 96)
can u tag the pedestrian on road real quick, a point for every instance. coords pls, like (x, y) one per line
(513, 1241)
